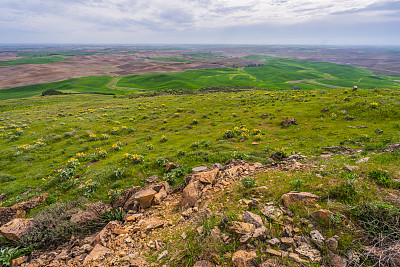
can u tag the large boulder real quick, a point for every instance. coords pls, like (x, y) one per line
(191, 194)
(145, 197)
(296, 197)
(16, 229)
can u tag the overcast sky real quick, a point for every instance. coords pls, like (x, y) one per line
(323, 22)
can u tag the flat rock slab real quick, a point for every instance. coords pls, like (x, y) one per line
(199, 169)
(295, 197)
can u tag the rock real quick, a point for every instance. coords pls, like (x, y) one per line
(295, 257)
(308, 251)
(274, 242)
(119, 231)
(191, 194)
(19, 210)
(271, 263)
(378, 131)
(363, 160)
(206, 177)
(260, 233)
(242, 228)
(19, 261)
(203, 264)
(98, 253)
(154, 224)
(158, 186)
(332, 244)
(273, 252)
(254, 143)
(31, 203)
(3, 197)
(200, 229)
(8, 214)
(16, 229)
(317, 238)
(123, 199)
(92, 212)
(288, 241)
(242, 258)
(245, 238)
(252, 218)
(103, 236)
(145, 197)
(159, 196)
(170, 166)
(134, 217)
(215, 233)
(162, 255)
(351, 168)
(84, 217)
(289, 122)
(98, 207)
(199, 169)
(323, 215)
(336, 261)
(271, 212)
(184, 235)
(295, 197)
(287, 231)
(152, 179)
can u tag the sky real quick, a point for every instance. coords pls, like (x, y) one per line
(319, 22)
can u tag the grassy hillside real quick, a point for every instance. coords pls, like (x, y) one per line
(84, 85)
(275, 74)
(59, 143)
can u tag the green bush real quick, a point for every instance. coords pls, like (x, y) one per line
(383, 178)
(297, 184)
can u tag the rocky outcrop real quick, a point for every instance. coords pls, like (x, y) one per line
(199, 183)
(19, 210)
(16, 229)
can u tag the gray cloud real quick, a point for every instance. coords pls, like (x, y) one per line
(184, 20)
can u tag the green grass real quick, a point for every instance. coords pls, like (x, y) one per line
(76, 85)
(273, 75)
(64, 124)
(33, 60)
